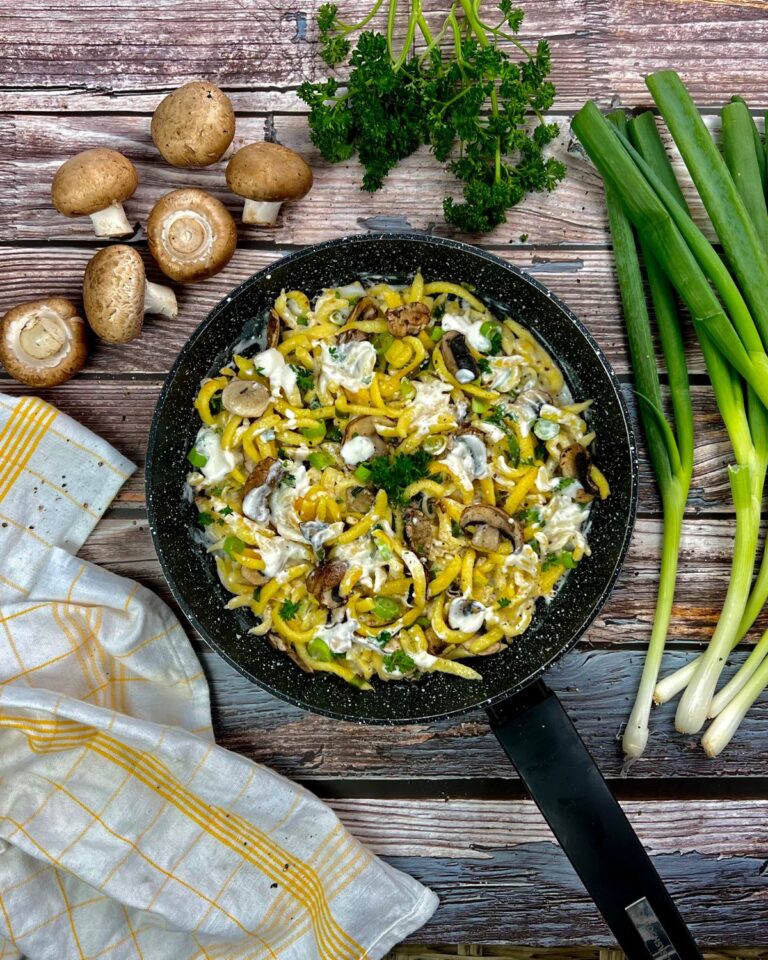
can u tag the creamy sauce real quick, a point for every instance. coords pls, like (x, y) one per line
(357, 450)
(467, 460)
(278, 553)
(220, 462)
(423, 660)
(495, 434)
(466, 615)
(431, 404)
(505, 373)
(350, 365)
(561, 521)
(470, 329)
(255, 505)
(464, 376)
(316, 533)
(526, 409)
(281, 505)
(364, 554)
(339, 636)
(271, 363)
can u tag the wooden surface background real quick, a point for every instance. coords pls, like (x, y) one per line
(439, 800)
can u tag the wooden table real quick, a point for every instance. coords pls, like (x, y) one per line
(437, 800)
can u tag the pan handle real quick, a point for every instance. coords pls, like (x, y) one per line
(540, 739)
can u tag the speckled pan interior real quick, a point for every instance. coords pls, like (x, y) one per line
(191, 574)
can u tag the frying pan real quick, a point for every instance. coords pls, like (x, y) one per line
(527, 718)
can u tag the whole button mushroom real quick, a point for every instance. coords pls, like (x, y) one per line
(191, 235)
(117, 294)
(43, 342)
(194, 125)
(267, 175)
(96, 183)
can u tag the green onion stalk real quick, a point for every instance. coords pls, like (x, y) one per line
(671, 456)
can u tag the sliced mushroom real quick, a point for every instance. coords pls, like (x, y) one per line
(274, 328)
(408, 320)
(246, 398)
(353, 336)
(458, 360)
(256, 577)
(490, 525)
(575, 462)
(362, 501)
(260, 475)
(418, 531)
(366, 308)
(366, 427)
(324, 580)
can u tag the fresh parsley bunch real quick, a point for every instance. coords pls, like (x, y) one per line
(472, 93)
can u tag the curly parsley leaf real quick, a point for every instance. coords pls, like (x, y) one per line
(305, 379)
(289, 609)
(399, 660)
(394, 474)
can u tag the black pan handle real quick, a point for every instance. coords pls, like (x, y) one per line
(561, 776)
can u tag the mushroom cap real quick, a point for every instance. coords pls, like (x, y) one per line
(91, 181)
(43, 342)
(194, 125)
(113, 293)
(191, 235)
(268, 172)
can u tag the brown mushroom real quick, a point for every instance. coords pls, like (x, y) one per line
(366, 427)
(490, 523)
(418, 531)
(408, 320)
(267, 175)
(256, 577)
(362, 500)
(194, 125)
(260, 475)
(42, 342)
(575, 463)
(324, 580)
(274, 328)
(191, 235)
(246, 398)
(457, 357)
(95, 183)
(366, 308)
(117, 294)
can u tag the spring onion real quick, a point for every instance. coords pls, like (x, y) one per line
(743, 163)
(671, 456)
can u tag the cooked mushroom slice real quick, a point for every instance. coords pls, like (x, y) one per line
(117, 294)
(490, 525)
(418, 531)
(95, 183)
(353, 336)
(575, 462)
(256, 577)
(458, 359)
(42, 342)
(366, 308)
(194, 125)
(324, 580)
(362, 441)
(267, 175)
(261, 481)
(191, 235)
(274, 328)
(408, 320)
(362, 501)
(245, 398)
(260, 475)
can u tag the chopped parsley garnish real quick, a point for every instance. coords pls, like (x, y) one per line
(305, 379)
(225, 511)
(288, 480)
(214, 404)
(484, 364)
(514, 450)
(289, 609)
(260, 371)
(564, 482)
(205, 519)
(216, 491)
(456, 528)
(529, 515)
(383, 638)
(336, 354)
(394, 474)
(333, 434)
(399, 660)
(492, 333)
(562, 559)
(504, 602)
(497, 416)
(302, 321)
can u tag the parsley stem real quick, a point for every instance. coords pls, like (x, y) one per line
(413, 19)
(353, 27)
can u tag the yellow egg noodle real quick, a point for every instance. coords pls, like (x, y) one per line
(393, 483)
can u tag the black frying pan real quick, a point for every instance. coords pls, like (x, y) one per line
(527, 718)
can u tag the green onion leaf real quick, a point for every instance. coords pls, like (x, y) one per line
(233, 545)
(436, 333)
(318, 649)
(320, 459)
(196, 458)
(362, 473)
(386, 608)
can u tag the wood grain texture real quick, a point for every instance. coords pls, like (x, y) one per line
(478, 857)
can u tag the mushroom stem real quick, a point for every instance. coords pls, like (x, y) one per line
(111, 222)
(160, 299)
(261, 212)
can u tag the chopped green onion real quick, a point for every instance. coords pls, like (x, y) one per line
(315, 432)
(320, 459)
(196, 458)
(318, 649)
(478, 405)
(382, 342)
(491, 330)
(435, 444)
(386, 608)
(233, 545)
(436, 333)
(407, 389)
(546, 429)
(362, 473)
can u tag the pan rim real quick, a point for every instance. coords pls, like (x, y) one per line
(467, 249)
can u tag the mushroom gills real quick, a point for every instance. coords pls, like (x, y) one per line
(160, 299)
(261, 213)
(111, 221)
(187, 236)
(490, 523)
(458, 360)
(43, 338)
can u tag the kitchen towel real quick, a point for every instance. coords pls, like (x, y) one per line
(125, 832)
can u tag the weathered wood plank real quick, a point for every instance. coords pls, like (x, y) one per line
(86, 59)
(493, 866)
(454, 951)
(584, 278)
(596, 687)
(121, 411)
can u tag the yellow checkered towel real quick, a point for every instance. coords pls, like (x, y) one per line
(125, 832)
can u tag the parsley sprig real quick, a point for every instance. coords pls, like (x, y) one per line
(473, 93)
